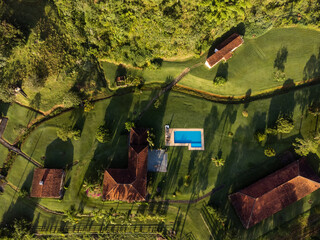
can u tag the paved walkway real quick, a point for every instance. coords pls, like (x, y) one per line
(18, 151)
(167, 88)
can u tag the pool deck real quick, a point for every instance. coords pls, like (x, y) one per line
(169, 138)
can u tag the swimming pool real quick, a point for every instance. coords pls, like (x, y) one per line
(193, 137)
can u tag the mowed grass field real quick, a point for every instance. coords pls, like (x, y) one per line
(227, 134)
(252, 65)
(18, 119)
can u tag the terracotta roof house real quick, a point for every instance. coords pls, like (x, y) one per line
(129, 184)
(274, 192)
(224, 50)
(47, 183)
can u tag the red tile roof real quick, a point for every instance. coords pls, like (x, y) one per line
(274, 192)
(225, 50)
(129, 184)
(52, 183)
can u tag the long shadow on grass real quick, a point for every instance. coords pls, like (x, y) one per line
(114, 153)
(281, 58)
(23, 207)
(78, 118)
(59, 154)
(312, 68)
(281, 105)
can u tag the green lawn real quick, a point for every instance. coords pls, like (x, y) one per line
(3, 154)
(21, 173)
(227, 134)
(166, 72)
(252, 65)
(18, 119)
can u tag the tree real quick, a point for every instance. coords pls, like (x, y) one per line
(129, 125)
(284, 125)
(269, 152)
(305, 146)
(219, 162)
(103, 134)
(218, 81)
(88, 106)
(66, 133)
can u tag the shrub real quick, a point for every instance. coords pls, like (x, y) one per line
(269, 152)
(103, 134)
(219, 162)
(260, 136)
(279, 76)
(218, 81)
(150, 138)
(88, 106)
(245, 113)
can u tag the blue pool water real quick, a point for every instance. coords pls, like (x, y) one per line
(193, 137)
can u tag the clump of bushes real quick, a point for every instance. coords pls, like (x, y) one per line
(279, 76)
(269, 152)
(66, 133)
(103, 134)
(218, 81)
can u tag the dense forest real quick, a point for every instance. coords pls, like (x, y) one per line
(63, 39)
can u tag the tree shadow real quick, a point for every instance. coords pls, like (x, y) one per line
(36, 101)
(24, 14)
(283, 104)
(312, 68)
(4, 107)
(114, 153)
(121, 71)
(240, 29)
(59, 154)
(281, 58)
(222, 71)
(78, 118)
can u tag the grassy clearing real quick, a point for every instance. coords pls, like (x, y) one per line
(252, 66)
(18, 119)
